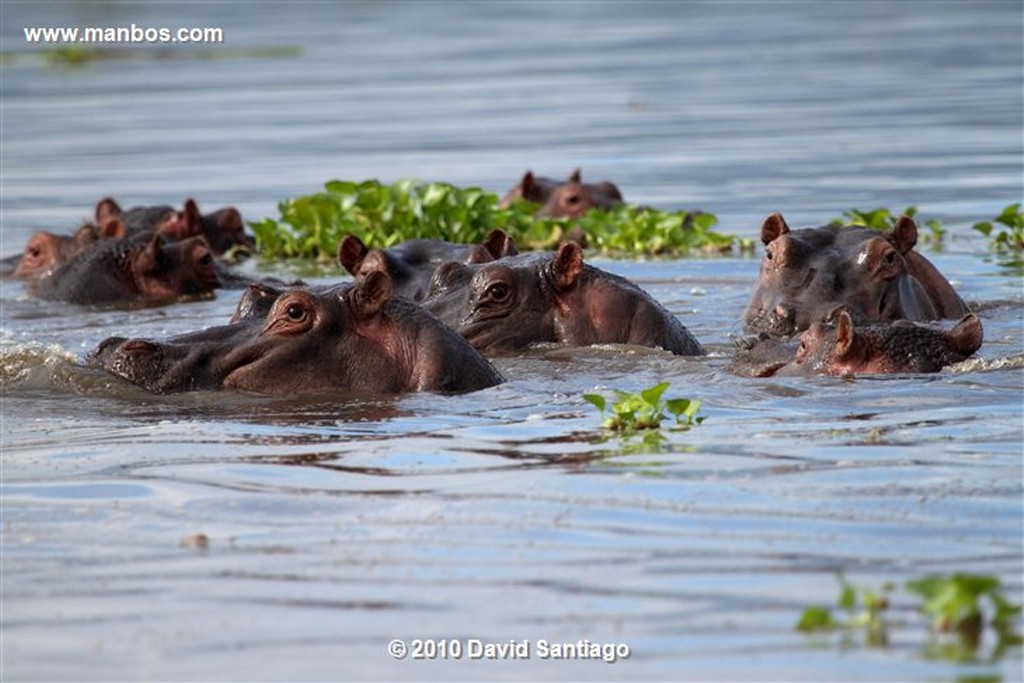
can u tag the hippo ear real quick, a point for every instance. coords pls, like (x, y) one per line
(446, 275)
(526, 185)
(904, 234)
(499, 243)
(229, 219)
(576, 176)
(184, 225)
(844, 333)
(150, 259)
(106, 209)
(375, 260)
(113, 229)
(86, 235)
(351, 253)
(833, 315)
(966, 336)
(371, 294)
(773, 227)
(567, 266)
(192, 219)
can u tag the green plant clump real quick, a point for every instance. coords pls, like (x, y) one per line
(883, 220)
(864, 609)
(956, 604)
(645, 409)
(311, 226)
(1010, 237)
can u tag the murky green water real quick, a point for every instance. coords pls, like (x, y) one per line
(335, 526)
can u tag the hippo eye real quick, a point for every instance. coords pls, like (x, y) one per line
(498, 291)
(295, 312)
(206, 260)
(573, 199)
(890, 258)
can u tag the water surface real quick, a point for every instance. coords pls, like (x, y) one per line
(335, 526)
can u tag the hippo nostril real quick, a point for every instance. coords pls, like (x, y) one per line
(138, 345)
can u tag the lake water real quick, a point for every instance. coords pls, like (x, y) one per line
(506, 515)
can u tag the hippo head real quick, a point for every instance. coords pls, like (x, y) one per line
(845, 347)
(509, 304)
(355, 337)
(165, 270)
(531, 188)
(411, 264)
(224, 230)
(304, 343)
(806, 274)
(498, 307)
(574, 198)
(45, 250)
(796, 282)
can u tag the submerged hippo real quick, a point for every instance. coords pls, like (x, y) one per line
(411, 264)
(131, 271)
(223, 229)
(808, 273)
(354, 337)
(45, 250)
(901, 346)
(571, 197)
(507, 305)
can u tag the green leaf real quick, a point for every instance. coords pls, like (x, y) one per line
(597, 400)
(848, 597)
(677, 406)
(816, 619)
(654, 393)
(1011, 216)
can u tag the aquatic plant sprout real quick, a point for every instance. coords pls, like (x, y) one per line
(645, 409)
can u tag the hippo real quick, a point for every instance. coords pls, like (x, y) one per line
(129, 271)
(807, 273)
(223, 229)
(571, 197)
(504, 306)
(533, 188)
(411, 264)
(45, 250)
(901, 346)
(574, 198)
(355, 337)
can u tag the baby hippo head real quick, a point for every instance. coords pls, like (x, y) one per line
(891, 347)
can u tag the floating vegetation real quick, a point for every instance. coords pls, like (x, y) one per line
(865, 612)
(72, 55)
(645, 409)
(312, 226)
(961, 607)
(1008, 234)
